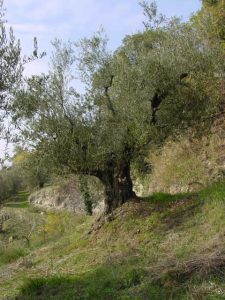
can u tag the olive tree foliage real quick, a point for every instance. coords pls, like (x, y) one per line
(153, 19)
(11, 65)
(10, 182)
(155, 84)
(210, 20)
(26, 172)
(31, 168)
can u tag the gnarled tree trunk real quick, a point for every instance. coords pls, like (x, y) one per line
(118, 185)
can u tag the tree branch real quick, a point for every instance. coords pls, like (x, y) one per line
(110, 105)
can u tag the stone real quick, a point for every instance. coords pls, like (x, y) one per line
(64, 197)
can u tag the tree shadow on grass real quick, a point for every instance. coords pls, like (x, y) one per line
(100, 284)
(104, 283)
(118, 282)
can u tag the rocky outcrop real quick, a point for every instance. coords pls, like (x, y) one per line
(66, 196)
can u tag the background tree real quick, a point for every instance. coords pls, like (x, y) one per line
(11, 65)
(157, 83)
(210, 19)
(32, 168)
(11, 182)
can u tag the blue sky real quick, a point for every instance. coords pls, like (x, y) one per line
(74, 19)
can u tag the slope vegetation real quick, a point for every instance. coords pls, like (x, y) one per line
(164, 247)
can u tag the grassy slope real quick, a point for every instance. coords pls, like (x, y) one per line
(166, 247)
(19, 201)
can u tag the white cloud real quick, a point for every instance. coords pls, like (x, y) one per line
(46, 9)
(36, 67)
(123, 16)
(5, 149)
(83, 15)
(30, 28)
(18, 2)
(73, 19)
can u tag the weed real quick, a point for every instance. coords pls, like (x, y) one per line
(167, 247)
(11, 253)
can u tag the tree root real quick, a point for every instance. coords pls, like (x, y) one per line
(133, 207)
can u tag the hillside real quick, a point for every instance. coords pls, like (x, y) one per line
(112, 176)
(165, 247)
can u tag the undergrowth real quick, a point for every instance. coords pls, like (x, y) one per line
(164, 198)
(166, 247)
(10, 254)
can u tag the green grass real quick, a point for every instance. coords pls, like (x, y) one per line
(163, 198)
(141, 255)
(11, 254)
(19, 201)
(107, 282)
(103, 283)
(117, 282)
(17, 204)
(215, 192)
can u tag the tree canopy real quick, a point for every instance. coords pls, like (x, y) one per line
(11, 65)
(210, 19)
(157, 83)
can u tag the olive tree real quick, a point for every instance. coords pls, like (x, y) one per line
(156, 83)
(11, 64)
(210, 19)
